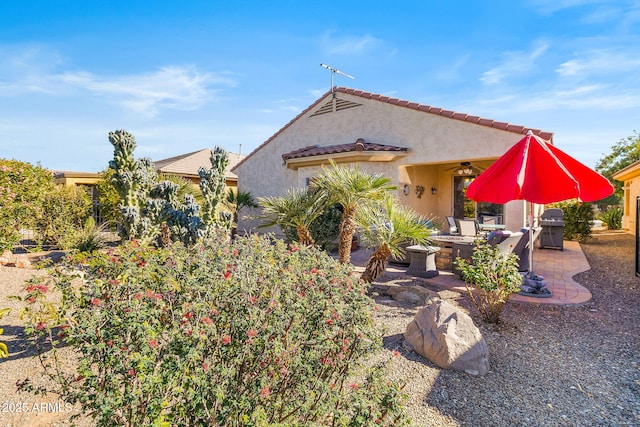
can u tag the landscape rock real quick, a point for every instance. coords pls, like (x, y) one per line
(448, 337)
(6, 258)
(412, 294)
(22, 261)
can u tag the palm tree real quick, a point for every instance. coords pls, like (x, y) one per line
(351, 188)
(236, 200)
(386, 226)
(298, 208)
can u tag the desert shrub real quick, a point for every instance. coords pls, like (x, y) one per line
(612, 217)
(326, 227)
(490, 278)
(577, 220)
(4, 350)
(22, 189)
(89, 238)
(255, 332)
(108, 199)
(64, 211)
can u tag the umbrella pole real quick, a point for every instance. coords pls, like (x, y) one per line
(530, 239)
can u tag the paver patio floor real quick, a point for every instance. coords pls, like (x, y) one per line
(556, 266)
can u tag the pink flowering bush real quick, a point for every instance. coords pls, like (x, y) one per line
(253, 332)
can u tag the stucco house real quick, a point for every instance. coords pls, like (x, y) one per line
(431, 154)
(630, 176)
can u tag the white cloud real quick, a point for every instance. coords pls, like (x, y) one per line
(317, 93)
(588, 98)
(172, 87)
(514, 64)
(348, 45)
(35, 69)
(622, 13)
(552, 6)
(598, 62)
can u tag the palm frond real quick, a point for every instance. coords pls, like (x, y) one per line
(392, 224)
(298, 207)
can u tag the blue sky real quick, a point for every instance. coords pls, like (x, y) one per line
(187, 75)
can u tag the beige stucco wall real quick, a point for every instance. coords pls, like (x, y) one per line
(436, 144)
(632, 192)
(630, 177)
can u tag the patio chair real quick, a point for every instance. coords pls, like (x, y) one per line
(451, 222)
(490, 219)
(506, 241)
(508, 245)
(497, 236)
(467, 227)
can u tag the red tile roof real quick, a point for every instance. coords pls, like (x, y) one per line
(414, 106)
(446, 113)
(359, 145)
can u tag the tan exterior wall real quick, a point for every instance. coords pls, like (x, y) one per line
(630, 177)
(631, 193)
(82, 180)
(437, 145)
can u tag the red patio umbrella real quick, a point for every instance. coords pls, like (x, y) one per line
(536, 171)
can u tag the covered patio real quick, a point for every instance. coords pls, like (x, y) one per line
(439, 190)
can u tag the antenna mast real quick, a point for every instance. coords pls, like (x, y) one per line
(335, 71)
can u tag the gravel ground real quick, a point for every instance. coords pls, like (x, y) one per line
(550, 365)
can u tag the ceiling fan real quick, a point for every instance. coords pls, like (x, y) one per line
(466, 168)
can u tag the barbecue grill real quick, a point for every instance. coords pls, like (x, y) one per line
(552, 235)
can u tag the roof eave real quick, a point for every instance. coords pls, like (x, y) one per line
(628, 172)
(349, 157)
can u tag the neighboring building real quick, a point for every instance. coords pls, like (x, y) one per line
(630, 176)
(187, 165)
(431, 154)
(89, 180)
(69, 178)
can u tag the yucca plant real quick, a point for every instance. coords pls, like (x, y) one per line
(386, 226)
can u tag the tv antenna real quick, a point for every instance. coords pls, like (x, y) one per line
(335, 71)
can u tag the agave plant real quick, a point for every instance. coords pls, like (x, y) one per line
(386, 226)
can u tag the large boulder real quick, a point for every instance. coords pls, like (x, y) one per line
(448, 337)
